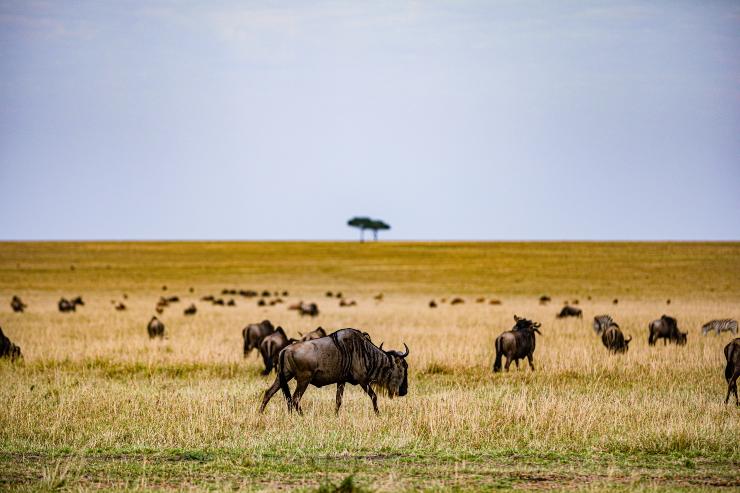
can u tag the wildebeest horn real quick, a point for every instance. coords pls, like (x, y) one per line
(536, 324)
(381, 346)
(516, 319)
(628, 340)
(407, 351)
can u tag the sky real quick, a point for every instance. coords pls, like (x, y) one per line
(449, 120)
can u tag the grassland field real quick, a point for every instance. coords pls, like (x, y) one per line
(96, 404)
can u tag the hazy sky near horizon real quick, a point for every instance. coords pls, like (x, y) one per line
(475, 120)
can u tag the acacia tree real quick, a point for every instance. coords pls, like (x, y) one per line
(378, 225)
(362, 223)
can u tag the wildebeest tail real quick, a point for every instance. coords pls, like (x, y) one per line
(499, 353)
(281, 376)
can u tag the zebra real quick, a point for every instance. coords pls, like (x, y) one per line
(603, 322)
(725, 325)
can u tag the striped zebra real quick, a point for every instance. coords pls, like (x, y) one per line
(603, 322)
(725, 325)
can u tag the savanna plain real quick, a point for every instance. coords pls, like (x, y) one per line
(95, 403)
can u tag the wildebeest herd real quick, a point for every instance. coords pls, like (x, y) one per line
(350, 356)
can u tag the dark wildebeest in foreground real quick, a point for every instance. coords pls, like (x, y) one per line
(570, 311)
(191, 310)
(66, 305)
(603, 322)
(516, 344)
(725, 325)
(271, 346)
(8, 349)
(345, 356)
(614, 340)
(17, 304)
(732, 370)
(253, 334)
(666, 328)
(155, 328)
(314, 334)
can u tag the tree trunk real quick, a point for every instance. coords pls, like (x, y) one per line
(362, 235)
(375, 234)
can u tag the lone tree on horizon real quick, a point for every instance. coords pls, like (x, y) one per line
(363, 223)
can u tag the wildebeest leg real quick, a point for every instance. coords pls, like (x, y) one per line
(299, 390)
(270, 392)
(340, 391)
(531, 365)
(517, 364)
(268, 363)
(732, 388)
(508, 362)
(369, 391)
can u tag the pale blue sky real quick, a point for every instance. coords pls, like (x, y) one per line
(449, 120)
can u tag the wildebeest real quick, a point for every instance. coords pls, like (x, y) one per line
(66, 305)
(261, 302)
(614, 340)
(344, 303)
(457, 301)
(253, 334)
(615, 301)
(666, 328)
(516, 344)
(345, 356)
(309, 309)
(732, 370)
(570, 311)
(432, 304)
(271, 346)
(544, 299)
(378, 297)
(155, 328)
(494, 302)
(191, 310)
(329, 294)
(603, 322)
(231, 302)
(17, 304)
(8, 349)
(724, 325)
(480, 300)
(173, 299)
(314, 334)
(120, 306)
(209, 297)
(219, 302)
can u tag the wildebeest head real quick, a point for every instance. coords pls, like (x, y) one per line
(78, 301)
(523, 324)
(394, 380)
(681, 338)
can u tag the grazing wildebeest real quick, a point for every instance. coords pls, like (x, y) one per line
(310, 309)
(494, 302)
(314, 334)
(345, 356)
(615, 301)
(666, 328)
(8, 349)
(120, 306)
(378, 297)
(614, 340)
(603, 322)
(329, 294)
(432, 304)
(732, 370)
(265, 294)
(191, 310)
(66, 305)
(570, 311)
(261, 302)
(480, 300)
(253, 334)
(544, 299)
(724, 325)
(209, 297)
(457, 301)
(219, 302)
(271, 346)
(17, 304)
(344, 303)
(173, 299)
(231, 302)
(516, 344)
(155, 328)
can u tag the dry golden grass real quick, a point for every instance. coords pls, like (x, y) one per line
(96, 403)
